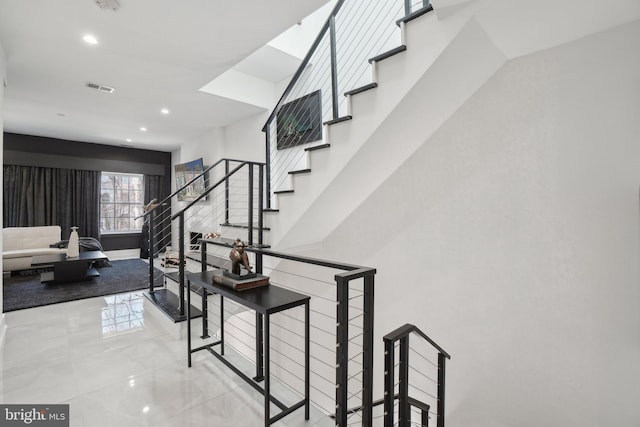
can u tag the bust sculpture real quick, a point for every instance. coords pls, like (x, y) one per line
(239, 257)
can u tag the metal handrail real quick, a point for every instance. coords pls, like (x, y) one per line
(304, 63)
(408, 328)
(332, 80)
(405, 401)
(204, 172)
(209, 190)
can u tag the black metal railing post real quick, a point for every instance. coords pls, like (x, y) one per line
(181, 261)
(261, 169)
(334, 67)
(424, 419)
(268, 166)
(250, 204)
(389, 382)
(261, 177)
(259, 347)
(441, 380)
(151, 251)
(226, 192)
(342, 351)
(205, 295)
(367, 351)
(404, 410)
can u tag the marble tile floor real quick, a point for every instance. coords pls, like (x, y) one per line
(115, 364)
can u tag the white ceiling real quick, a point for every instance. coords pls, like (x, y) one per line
(155, 53)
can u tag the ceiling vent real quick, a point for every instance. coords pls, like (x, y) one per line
(110, 5)
(101, 88)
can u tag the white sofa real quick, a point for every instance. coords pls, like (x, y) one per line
(19, 244)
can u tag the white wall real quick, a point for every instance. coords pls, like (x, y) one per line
(208, 146)
(3, 75)
(244, 140)
(511, 237)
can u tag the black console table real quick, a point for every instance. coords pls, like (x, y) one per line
(264, 301)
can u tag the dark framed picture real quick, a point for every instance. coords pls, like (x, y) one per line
(300, 121)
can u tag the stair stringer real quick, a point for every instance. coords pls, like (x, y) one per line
(396, 77)
(323, 200)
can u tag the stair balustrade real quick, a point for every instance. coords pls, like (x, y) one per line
(355, 34)
(231, 202)
(236, 195)
(347, 289)
(238, 204)
(431, 373)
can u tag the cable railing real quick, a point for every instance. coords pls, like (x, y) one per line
(340, 326)
(340, 312)
(337, 64)
(414, 379)
(230, 204)
(233, 189)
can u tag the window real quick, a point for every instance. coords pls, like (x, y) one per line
(121, 201)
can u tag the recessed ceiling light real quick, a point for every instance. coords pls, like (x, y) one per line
(143, 129)
(165, 111)
(89, 38)
(129, 140)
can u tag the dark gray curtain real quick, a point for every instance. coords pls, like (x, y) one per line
(35, 196)
(154, 189)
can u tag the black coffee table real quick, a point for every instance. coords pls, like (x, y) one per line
(75, 269)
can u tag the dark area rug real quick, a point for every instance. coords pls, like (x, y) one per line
(124, 276)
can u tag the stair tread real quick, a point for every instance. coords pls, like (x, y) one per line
(338, 120)
(317, 147)
(388, 54)
(299, 171)
(168, 303)
(361, 89)
(283, 192)
(413, 15)
(243, 225)
(270, 210)
(223, 241)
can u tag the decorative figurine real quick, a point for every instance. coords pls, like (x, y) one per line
(239, 256)
(212, 235)
(153, 203)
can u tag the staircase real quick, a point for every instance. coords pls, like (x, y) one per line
(230, 207)
(265, 204)
(346, 336)
(366, 138)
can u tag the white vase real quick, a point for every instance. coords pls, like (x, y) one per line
(73, 249)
